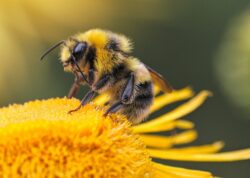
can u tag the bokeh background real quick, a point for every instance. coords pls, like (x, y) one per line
(203, 44)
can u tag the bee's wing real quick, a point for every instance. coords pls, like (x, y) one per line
(159, 80)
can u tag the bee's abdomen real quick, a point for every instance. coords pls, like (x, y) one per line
(139, 108)
(144, 93)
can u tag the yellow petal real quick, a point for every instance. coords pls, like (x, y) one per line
(210, 148)
(165, 141)
(156, 90)
(101, 99)
(180, 111)
(217, 157)
(180, 124)
(184, 124)
(163, 174)
(181, 172)
(167, 98)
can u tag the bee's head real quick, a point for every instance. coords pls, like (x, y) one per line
(93, 44)
(74, 52)
(83, 48)
(73, 55)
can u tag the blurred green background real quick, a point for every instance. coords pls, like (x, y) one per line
(203, 44)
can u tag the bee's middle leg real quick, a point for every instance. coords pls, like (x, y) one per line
(90, 95)
(126, 96)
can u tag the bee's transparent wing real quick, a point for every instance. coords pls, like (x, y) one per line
(159, 80)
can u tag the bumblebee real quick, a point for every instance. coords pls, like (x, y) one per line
(102, 60)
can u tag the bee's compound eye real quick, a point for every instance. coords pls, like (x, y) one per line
(79, 50)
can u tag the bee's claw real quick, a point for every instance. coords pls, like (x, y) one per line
(74, 110)
(115, 107)
(105, 114)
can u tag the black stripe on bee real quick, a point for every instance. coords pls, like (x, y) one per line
(91, 56)
(144, 96)
(145, 92)
(113, 45)
(120, 71)
(147, 86)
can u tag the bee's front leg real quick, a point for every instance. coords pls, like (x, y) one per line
(126, 96)
(75, 86)
(90, 95)
(91, 76)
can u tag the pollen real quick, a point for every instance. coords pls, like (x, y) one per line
(40, 139)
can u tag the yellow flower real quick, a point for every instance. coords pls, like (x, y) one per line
(39, 139)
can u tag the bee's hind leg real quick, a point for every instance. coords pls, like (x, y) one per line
(126, 96)
(128, 90)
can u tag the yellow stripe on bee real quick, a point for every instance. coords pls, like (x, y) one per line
(65, 54)
(139, 69)
(96, 37)
(104, 63)
(124, 43)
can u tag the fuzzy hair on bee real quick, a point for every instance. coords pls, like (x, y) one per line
(102, 60)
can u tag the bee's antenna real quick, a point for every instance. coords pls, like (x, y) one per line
(79, 69)
(51, 48)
